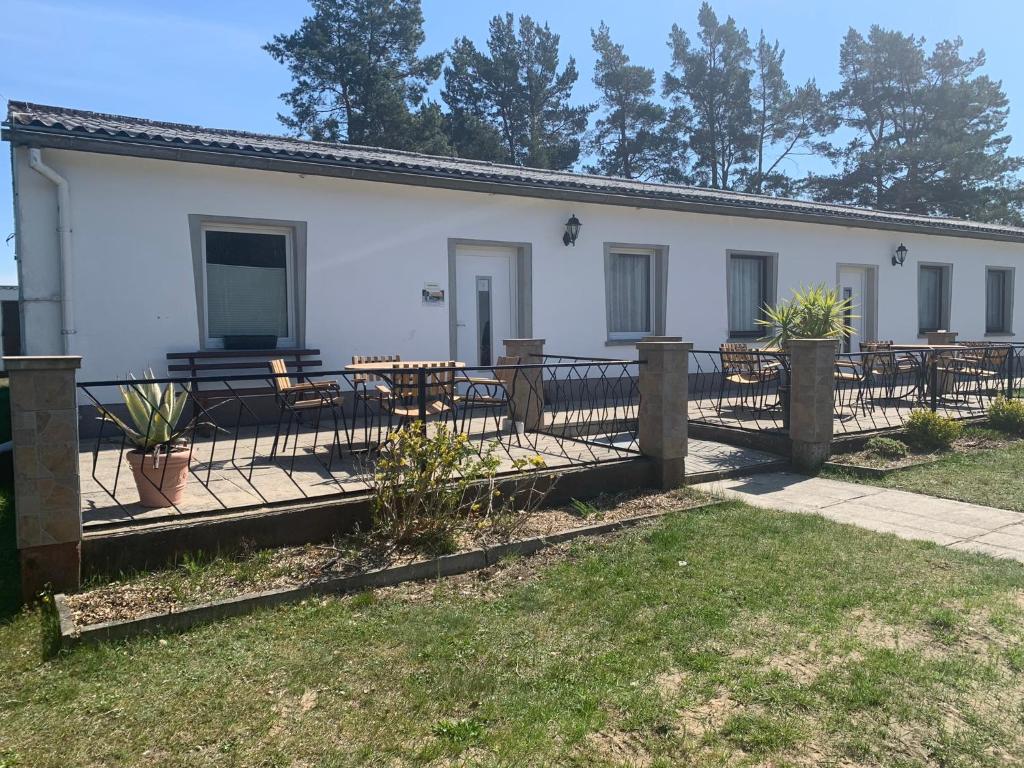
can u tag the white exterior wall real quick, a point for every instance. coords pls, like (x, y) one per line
(372, 246)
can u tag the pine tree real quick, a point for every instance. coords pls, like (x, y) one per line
(358, 76)
(517, 89)
(928, 131)
(712, 82)
(632, 137)
(785, 119)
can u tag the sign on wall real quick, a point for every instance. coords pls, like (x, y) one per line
(433, 293)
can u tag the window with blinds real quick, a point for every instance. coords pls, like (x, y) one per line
(629, 282)
(749, 292)
(998, 300)
(248, 280)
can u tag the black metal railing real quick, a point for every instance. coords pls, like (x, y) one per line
(878, 389)
(739, 388)
(258, 439)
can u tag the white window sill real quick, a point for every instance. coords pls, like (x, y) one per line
(626, 342)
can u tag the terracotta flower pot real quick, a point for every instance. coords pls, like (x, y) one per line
(160, 479)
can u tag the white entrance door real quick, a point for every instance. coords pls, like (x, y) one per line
(485, 302)
(855, 283)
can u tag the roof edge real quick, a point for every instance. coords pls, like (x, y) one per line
(674, 198)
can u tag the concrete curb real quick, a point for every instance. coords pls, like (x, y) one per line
(859, 470)
(72, 635)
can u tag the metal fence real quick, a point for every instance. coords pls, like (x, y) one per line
(258, 439)
(745, 389)
(878, 389)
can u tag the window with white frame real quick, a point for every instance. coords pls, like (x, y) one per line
(248, 278)
(751, 287)
(630, 288)
(998, 299)
(933, 294)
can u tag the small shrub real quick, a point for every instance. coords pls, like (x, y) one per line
(1007, 415)
(886, 447)
(426, 487)
(584, 509)
(929, 431)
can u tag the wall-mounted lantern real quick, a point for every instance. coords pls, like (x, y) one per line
(900, 256)
(572, 230)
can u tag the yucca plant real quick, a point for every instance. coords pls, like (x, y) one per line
(812, 312)
(154, 411)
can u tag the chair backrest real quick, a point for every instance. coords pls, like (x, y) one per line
(280, 371)
(871, 346)
(995, 356)
(737, 356)
(507, 375)
(364, 377)
(438, 381)
(879, 357)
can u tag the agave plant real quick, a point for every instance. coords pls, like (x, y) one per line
(154, 411)
(814, 312)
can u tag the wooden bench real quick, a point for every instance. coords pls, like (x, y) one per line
(238, 362)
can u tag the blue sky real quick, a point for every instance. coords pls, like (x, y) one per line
(200, 62)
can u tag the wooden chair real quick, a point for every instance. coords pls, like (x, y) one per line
(491, 392)
(981, 367)
(296, 399)
(744, 368)
(361, 380)
(887, 366)
(402, 396)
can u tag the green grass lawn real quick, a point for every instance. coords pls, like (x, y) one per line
(728, 636)
(993, 477)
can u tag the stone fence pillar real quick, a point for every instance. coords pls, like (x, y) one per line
(47, 499)
(812, 401)
(526, 399)
(663, 420)
(941, 337)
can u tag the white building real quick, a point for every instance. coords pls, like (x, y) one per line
(173, 237)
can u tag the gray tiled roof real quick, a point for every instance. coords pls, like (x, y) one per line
(93, 131)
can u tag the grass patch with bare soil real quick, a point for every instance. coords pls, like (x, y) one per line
(722, 636)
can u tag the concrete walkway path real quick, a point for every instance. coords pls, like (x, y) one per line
(954, 524)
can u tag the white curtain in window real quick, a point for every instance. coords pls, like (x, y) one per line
(995, 301)
(929, 298)
(629, 293)
(246, 300)
(746, 293)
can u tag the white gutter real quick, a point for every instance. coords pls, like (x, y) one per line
(67, 326)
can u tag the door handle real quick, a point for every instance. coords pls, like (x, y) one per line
(460, 325)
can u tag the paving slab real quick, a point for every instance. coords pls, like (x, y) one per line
(954, 524)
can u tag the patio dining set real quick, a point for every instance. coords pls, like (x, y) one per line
(387, 391)
(883, 373)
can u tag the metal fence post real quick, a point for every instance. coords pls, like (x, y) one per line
(47, 491)
(421, 398)
(1010, 363)
(933, 384)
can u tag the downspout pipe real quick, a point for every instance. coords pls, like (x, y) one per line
(67, 325)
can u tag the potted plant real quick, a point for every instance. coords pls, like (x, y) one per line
(161, 455)
(813, 312)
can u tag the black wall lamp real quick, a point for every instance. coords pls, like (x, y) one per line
(572, 230)
(900, 256)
